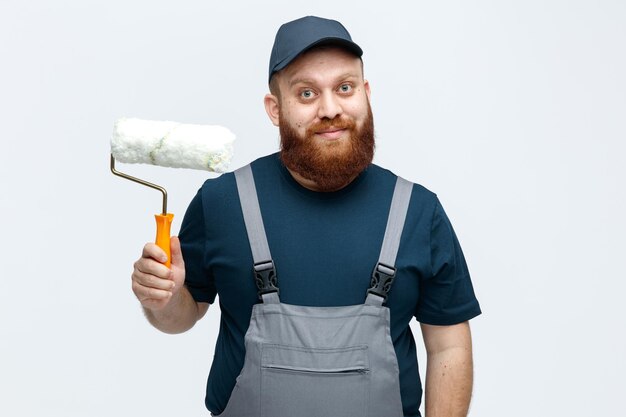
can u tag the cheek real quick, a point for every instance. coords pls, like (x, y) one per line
(358, 112)
(299, 118)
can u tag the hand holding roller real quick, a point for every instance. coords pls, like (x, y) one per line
(169, 144)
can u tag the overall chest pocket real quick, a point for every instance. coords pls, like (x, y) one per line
(312, 382)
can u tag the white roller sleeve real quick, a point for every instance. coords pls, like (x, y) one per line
(172, 144)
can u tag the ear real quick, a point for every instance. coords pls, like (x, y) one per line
(272, 108)
(366, 85)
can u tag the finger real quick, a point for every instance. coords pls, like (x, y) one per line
(151, 250)
(151, 281)
(145, 293)
(153, 304)
(151, 267)
(176, 252)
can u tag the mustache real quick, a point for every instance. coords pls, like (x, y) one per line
(338, 122)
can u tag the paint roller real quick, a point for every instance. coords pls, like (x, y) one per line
(169, 144)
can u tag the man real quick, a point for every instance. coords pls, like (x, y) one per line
(324, 208)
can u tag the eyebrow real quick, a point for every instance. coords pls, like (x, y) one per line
(312, 81)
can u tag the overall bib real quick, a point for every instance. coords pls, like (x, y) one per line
(318, 361)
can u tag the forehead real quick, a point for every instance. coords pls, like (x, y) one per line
(322, 63)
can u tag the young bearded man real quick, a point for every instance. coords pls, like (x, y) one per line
(296, 338)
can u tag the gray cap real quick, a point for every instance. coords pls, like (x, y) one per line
(294, 38)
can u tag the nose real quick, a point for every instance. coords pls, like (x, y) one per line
(329, 106)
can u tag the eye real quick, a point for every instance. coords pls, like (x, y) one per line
(345, 88)
(306, 93)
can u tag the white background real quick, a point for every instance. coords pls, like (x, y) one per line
(513, 112)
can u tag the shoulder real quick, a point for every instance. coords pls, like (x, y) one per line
(225, 184)
(217, 196)
(419, 194)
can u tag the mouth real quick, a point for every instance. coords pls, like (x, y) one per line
(331, 133)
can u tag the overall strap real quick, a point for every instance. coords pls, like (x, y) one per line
(264, 271)
(385, 271)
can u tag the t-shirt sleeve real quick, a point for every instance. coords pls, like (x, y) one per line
(192, 237)
(446, 294)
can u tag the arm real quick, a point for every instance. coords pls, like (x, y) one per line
(167, 303)
(449, 371)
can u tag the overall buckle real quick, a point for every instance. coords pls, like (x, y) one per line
(265, 277)
(381, 281)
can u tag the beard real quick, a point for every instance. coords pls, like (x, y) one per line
(334, 164)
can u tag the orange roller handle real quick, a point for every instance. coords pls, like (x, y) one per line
(164, 222)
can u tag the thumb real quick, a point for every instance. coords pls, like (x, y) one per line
(176, 252)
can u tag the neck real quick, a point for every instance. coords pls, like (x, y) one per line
(312, 185)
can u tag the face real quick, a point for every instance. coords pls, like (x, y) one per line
(325, 121)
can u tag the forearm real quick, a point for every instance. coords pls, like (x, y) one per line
(178, 316)
(449, 377)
